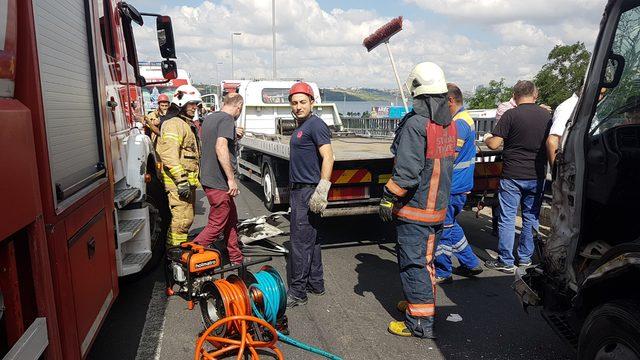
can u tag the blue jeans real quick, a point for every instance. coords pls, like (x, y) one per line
(453, 240)
(527, 194)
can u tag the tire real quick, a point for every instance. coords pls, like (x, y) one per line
(611, 331)
(269, 187)
(159, 219)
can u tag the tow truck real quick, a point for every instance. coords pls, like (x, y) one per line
(587, 281)
(82, 202)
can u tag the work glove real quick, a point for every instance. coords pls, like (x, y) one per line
(385, 211)
(318, 201)
(184, 190)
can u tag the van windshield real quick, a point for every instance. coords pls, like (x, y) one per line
(621, 104)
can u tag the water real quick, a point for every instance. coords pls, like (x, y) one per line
(345, 107)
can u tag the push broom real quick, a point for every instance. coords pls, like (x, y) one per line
(382, 36)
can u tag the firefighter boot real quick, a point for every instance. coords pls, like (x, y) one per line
(181, 217)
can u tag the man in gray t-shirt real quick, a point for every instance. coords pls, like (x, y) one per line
(217, 175)
(216, 125)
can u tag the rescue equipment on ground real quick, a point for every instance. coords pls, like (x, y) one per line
(382, 36)
(242, 312)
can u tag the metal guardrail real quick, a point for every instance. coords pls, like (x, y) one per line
(385, 127)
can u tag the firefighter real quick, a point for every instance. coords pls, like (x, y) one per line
(152, 120)
(310, 166)
(179, 152)
(417, 194)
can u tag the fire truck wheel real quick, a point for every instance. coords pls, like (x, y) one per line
(611, 331)
(159, 219)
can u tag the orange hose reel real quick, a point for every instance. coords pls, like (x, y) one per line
(235, 335)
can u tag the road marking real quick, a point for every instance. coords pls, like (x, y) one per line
(151, 339)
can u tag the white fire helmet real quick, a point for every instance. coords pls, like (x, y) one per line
(426, 78)
(185, 94)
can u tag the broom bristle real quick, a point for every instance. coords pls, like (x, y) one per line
(383, 34)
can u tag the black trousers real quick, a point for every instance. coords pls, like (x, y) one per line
(305, 257)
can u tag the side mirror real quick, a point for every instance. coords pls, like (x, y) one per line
(141, 81)
(613, 71)
(131, 13)
(169, 69)
(165, 37)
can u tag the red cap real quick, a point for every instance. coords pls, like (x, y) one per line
(163, 98)
(301, 88)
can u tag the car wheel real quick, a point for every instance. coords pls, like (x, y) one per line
(611, 331)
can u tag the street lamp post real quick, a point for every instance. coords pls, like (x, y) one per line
(233, 74)
(218, 76)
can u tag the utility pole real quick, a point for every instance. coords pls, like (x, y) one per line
(273, 30)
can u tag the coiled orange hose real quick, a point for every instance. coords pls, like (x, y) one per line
(237, 306)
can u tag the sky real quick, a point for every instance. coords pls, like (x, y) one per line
(474, 41)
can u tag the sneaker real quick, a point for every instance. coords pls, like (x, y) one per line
(399, 328)
(500, 266)
(444, 280)
(402, 306)
(467, 272)
(293, 301)
(525, 264)
(310, 290)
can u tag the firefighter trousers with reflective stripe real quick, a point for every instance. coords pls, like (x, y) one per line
(181, 216)
(453, 240)
(415, 249)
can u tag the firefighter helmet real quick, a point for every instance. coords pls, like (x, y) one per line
(186, 94)
(301, 87)
(426, 78)
(163, 98)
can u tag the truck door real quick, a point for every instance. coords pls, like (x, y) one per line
(597, 176)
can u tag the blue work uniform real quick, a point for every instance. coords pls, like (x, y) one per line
(305, 234)
(453, 240)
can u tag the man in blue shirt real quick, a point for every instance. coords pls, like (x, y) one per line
(453, 240)
(310, 167)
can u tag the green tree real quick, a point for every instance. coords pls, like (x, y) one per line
(488, 97)
(562, 74)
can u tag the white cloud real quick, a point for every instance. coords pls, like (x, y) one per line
(326, 46)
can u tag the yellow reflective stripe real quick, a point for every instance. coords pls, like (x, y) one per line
(176, 236)
(168, 180)
(176, 170)
(193, 179)
(460, 142)
(383, 178)
(170, 136)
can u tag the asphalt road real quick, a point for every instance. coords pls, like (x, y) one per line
(351, 319)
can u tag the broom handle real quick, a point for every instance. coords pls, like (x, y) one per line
(395, 72)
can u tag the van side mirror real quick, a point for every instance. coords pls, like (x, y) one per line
(613, 71)
(165, 37)
(169, 69)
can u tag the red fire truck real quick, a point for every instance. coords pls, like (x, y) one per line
(82, 204)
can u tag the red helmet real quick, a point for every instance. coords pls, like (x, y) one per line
(301, 87)
(163, 98)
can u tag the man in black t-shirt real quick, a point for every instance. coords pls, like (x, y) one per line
(217, 176)
(523, 132)
(310, 167)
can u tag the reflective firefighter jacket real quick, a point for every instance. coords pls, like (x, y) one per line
(179, 152)
(424, 148)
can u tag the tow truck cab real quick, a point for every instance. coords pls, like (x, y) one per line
(587, 281)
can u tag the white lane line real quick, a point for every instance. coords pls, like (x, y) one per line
(151, 339)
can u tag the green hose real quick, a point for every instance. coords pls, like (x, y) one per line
(274, 296)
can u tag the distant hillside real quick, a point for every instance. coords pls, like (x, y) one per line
(363, 94)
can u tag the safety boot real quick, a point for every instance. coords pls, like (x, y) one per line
(399, 328)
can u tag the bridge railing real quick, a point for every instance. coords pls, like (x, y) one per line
(385, 127)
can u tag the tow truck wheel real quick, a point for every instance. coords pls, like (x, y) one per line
(611, 331)
(269, 187)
